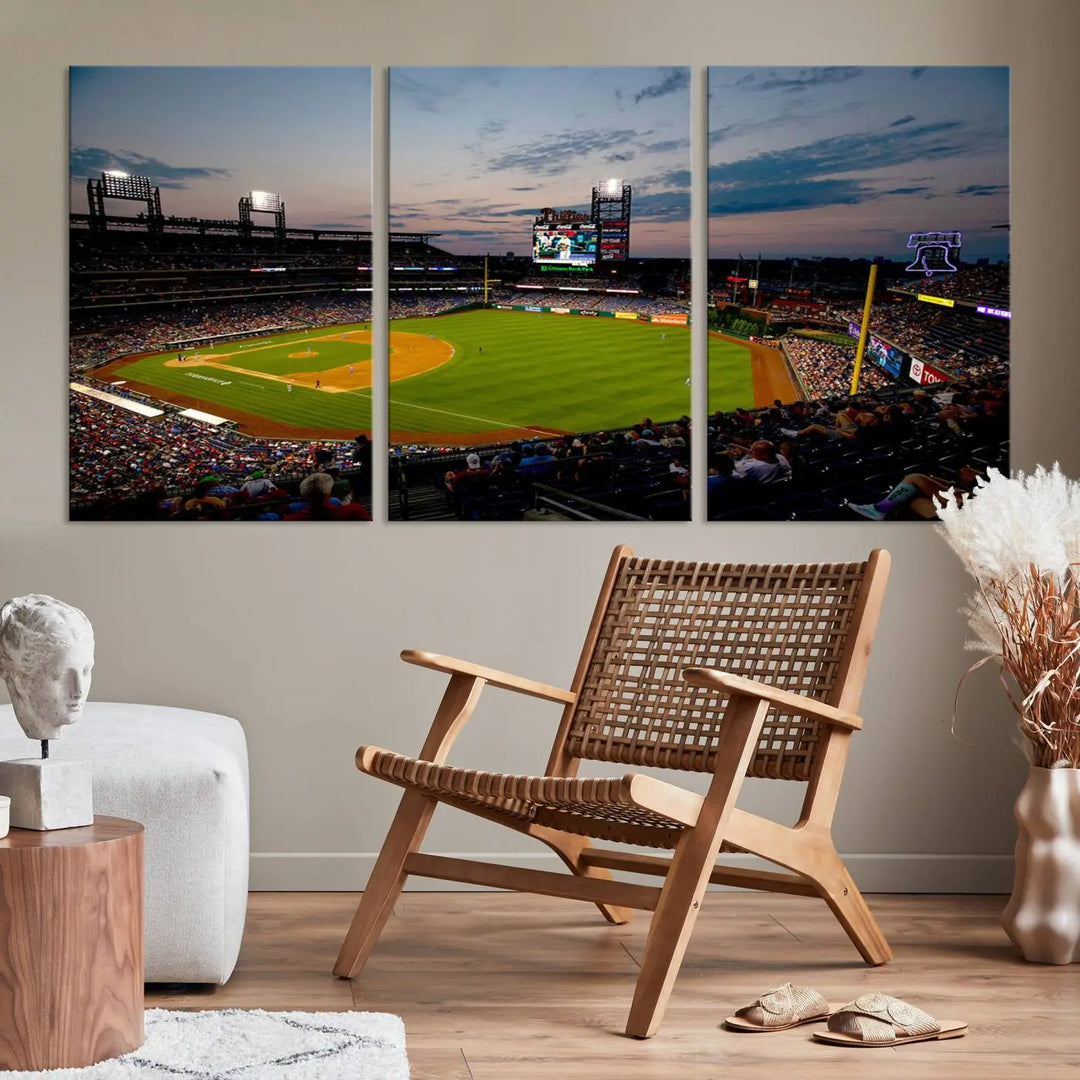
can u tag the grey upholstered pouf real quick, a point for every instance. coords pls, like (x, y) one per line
(184, 776)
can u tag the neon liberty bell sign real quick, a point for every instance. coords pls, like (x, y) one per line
(934, 252)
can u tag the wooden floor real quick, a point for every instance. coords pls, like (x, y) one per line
(496, 985)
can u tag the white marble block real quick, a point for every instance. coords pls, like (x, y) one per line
(48, 793)
(5, 815)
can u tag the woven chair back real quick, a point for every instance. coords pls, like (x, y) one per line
(792, 626)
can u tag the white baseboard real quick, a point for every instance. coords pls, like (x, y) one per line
(332, 871)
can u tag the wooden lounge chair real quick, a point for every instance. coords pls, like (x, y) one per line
(722, 669)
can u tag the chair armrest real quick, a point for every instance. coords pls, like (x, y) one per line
(502, 679)
(799, 704)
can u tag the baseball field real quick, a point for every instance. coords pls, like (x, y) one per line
(470, 377)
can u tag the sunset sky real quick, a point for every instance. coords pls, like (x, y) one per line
(803, 161)
(206, 136)
(476, 152)
(851, 161)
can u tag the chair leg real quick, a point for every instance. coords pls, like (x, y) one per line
(691, 866)
(836, 887)
(569, 848)
(669, 933)
(386, 882)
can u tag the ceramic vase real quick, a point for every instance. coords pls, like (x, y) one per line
(1043, 915)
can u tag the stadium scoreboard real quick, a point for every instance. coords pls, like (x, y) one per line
(564, 245)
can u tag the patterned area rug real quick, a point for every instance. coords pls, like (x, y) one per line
(249, 1044)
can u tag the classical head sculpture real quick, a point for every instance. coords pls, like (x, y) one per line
(46, 656)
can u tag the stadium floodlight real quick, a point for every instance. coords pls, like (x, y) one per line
(610, 188)
(116, 184)
(266, 201)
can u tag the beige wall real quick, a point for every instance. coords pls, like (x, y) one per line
(296, 630)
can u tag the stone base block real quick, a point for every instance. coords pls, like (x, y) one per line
(48, 793)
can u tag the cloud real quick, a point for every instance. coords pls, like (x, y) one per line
(841, 154)
(674, 80)
(527, 187)
(977, 190)
(796, 81)
(813, 175)
(665, 145)
(613, 159)
(786, 114)
(425, 98)
(552, 155)
(902, 121)
(793, 195)
(492, 127)
(917, 72)
(669, 180)
(87, 161)
(662, 206)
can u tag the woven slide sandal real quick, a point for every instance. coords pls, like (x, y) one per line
(785, 1007)
(880, 1020)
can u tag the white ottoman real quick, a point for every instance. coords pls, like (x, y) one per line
(184, 776)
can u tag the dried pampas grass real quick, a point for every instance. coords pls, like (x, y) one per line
(1020, 540)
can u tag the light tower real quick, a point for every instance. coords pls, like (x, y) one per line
(611, 216)
(262, 202)
(116, 184)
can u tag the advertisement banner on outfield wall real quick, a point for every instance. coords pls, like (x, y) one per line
(626, 315)
(669, 320)
(533, 307)
(559, 310)
(503, 307)
(577, 311)
(924, 374)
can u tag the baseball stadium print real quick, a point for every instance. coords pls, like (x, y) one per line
(539, 294)
(859, 303)
(220, 293)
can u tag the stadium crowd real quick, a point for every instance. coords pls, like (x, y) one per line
(642, 471)
(582, 301)
(841, 457)
(123, 464)
(155, 330)
(960, 343)
(413, 305)
(980, 284)
(825, 368)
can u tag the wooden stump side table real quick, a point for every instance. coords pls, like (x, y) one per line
(71, 945)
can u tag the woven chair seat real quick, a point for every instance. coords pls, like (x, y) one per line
(600, 808)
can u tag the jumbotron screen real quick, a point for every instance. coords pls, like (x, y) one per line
(886, 356)
(574, 245)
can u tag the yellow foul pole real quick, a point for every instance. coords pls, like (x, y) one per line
(486, 280)
(863, 330)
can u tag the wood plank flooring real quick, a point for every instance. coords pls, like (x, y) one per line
(494, 985)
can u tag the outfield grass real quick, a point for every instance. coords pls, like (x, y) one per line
(559, 372)
(731, 380)
(509, 370)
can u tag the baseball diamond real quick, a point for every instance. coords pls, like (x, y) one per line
(537, 374)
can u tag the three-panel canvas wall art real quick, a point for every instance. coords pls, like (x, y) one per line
(228, 352)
